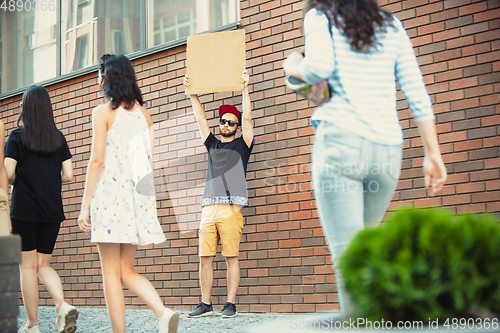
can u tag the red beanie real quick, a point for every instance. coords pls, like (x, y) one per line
(231, 109)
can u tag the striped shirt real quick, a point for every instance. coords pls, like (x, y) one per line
(364, 84)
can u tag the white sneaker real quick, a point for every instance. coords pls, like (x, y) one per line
(66, 318)
(168, 322)
(33, 329)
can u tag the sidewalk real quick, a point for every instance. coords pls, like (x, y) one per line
(93, 320)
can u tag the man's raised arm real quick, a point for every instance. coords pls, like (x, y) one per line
(199, 113)
(246, 118)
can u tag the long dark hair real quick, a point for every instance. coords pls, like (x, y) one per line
(40, 134)
(356, 18)
(119, 83)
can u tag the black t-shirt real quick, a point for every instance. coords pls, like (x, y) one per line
(226, 175)
(36, 196)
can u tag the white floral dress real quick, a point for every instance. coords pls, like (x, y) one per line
(123, 208)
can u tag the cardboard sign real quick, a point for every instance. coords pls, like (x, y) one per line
(215, 62)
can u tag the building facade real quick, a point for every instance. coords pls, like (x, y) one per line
(285, 262)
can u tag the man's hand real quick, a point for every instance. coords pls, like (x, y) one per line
(245, 79)
(186, 81)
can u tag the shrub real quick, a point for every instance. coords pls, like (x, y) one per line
(424, 264)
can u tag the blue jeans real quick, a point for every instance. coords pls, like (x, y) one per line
(354, 181)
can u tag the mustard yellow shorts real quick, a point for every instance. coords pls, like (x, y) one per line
(224, 222)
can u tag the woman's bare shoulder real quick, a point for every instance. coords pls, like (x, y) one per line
(103, 113)
(146, 114)
(102, 110)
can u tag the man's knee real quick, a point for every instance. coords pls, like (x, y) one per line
(206, 260)
(231, 261)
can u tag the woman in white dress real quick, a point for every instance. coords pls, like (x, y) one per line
(119, 203)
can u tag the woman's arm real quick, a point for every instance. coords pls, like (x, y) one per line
(410, 78)
(291, 65)
(96, 162)
(4, 182)
(67, 171)
(10, 170)
(149, 120)
(319, 61)
(434, 169)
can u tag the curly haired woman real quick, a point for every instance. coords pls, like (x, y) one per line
(356, 160)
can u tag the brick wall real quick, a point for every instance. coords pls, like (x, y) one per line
(285, 264)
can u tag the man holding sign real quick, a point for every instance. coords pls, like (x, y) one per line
(224, 196)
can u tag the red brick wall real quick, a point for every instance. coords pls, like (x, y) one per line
(285, 264)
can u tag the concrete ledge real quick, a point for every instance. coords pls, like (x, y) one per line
(8, 325)
(9, 282)
(11, 250)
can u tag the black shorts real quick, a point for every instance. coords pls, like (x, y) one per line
(39, 236)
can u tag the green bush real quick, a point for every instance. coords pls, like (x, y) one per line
(424, 264)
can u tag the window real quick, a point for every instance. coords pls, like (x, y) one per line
(83, 12)
(223, 12)
(100, 27)
(118, 42)
(81, 52)
(74, 34)
(28, 40)
(174, 26)
(173, 19)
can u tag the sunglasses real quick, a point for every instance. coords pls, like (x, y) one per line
(229, 122)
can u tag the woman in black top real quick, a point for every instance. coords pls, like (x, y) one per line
(37, 161)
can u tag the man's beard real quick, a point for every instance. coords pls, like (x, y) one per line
(229, 133)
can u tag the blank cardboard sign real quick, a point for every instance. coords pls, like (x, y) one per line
(215, 62)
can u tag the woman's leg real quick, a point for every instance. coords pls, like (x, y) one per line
(46, 236)
(29, 285)
(381, 182)
(28, 267)
(137, 283)
(50, 279)
(110, 255)
(338, 189)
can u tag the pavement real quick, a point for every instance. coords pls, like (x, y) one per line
(144, 321)
(93, 320)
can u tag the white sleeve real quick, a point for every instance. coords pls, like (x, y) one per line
(319, 61)
(410, 78)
